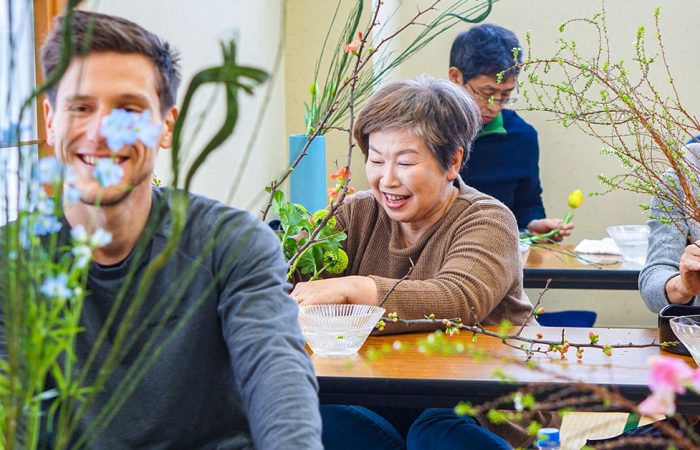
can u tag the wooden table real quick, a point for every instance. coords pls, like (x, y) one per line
(409, 378)
(568, 272)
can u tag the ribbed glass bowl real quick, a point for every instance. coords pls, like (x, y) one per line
(632, 240)
(338, 330)
(524, 251)
(687, 330)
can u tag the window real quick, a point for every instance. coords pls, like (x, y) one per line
(16, 83)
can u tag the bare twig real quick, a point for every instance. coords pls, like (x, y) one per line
(405, 277)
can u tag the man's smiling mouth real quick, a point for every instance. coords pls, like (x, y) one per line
(92, 160)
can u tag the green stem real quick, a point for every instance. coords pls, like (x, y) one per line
(549, 235)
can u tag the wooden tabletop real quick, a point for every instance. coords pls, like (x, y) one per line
(408, 377)
(569, 272)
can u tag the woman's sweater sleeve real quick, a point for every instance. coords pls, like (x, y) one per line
(667, 241)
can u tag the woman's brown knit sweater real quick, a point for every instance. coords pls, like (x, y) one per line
(467, 264)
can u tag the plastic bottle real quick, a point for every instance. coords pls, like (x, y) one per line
(548, 438)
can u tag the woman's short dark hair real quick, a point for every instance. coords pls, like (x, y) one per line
(100, 33)
(438, 111)
(485, 50)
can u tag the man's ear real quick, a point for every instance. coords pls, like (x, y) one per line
(166, 139)
(48, 121)
(453, 170)
(455, 76)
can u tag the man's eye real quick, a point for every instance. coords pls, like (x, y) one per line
(405, 163)
(78, 108)
(374, 161)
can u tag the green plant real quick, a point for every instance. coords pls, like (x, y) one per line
(361, 53)
(641, 123)
(359, 61)
(311, 258)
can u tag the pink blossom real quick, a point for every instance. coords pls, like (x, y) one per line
(669, 375)
(695, 380)
(353, 46)
(658, 403)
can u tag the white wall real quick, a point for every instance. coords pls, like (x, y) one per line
(195, 29)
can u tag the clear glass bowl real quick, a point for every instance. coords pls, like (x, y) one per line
(687, 330)
(524, 251)
(338, 330)
(632, 240)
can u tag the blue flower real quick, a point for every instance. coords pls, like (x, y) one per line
(147, 131)
(118, 128)
(107, 172)
(79, 234)
(46, 224)
(125, 128)
(24, 236)
(48, 170)
(82, 254)
(46, 206)
(100, 238)
(71, 194)
(56, 287)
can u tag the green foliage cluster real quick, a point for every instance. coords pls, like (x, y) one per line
(312, 258)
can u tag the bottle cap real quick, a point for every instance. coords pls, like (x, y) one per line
(548, 437)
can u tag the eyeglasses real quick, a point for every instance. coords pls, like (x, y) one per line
(499, 102)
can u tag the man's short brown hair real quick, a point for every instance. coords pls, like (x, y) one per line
(98, 33)
(436, 110)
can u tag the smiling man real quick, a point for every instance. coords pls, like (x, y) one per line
(230, 370)
(504, 161)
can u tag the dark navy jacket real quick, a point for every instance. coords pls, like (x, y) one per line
(505, 166)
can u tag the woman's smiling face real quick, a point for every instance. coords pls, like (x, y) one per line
(407, 179)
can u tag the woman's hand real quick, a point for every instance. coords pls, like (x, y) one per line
(352, 289)
(542, 226)
(683, 287)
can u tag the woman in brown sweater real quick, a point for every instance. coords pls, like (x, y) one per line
(462, 244)
(415, 135)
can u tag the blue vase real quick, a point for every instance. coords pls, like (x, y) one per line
(307, 183)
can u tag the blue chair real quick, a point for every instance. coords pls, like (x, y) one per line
(571, 318)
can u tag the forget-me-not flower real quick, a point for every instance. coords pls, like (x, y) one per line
(125, 128)
(107, 172)
(56, 287)
(48, 170)
(79, 234)
(46, 206)
(82, 254)
(147, 131)
(45, 224)
(100, 238)
(71, 194)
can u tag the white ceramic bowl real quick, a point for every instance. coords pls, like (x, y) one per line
(632, 240)
(338, 330)
(687, 330)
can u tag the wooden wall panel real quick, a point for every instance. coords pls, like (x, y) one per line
(44, 12)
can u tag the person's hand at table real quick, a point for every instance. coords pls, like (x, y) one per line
(681, 288)
(543, 226)
(353, 289)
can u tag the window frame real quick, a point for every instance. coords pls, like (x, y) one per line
(44, 13)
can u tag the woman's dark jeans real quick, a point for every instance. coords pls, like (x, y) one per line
(347, 427)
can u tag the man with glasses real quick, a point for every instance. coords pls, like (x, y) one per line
(504, 157)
